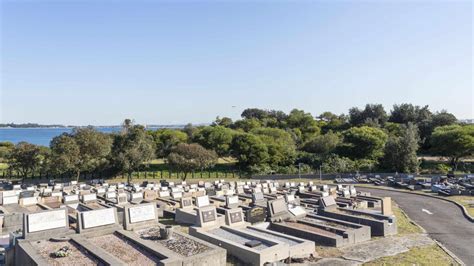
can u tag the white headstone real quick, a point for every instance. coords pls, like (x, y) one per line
(177, 195)
(46, 220)
(137, 195)
(297, 211)
(57, 194)
(142, 213)
(202, 201)
(10, 200)
(290, 198)
(71, 198)
(8, 193)
(164, 194)
(29, 201)
(98, 217)
(89, 197)
(232, 201)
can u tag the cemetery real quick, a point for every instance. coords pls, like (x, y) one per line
(256, 222)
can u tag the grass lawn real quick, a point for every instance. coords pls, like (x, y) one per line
(430, 255)
(404, 225)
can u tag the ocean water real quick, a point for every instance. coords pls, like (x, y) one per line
(41, 136)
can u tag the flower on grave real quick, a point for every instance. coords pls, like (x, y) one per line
(63, 252)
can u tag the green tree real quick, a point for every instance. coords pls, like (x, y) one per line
(131, 149)
(249, 150)
(217, 138)
(247, 124)
(363, 143)
(94, 147)
(65, 155)
(373, 114)
(280, 145)
(333, 122)
(190, 130)
(5, 149)
(224, 121)
(83, 150)
(25, 158)
(401, 149)
(254, 113)
(166, 139)
(191, 157)
(304, 123)
(408, 113)
(454, 142)
(427, 126)
(336, 164)
(322, 144)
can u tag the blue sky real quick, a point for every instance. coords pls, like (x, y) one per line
(98, 62)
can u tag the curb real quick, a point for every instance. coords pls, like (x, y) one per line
(445, 249)
(451, 254)
(463, 209)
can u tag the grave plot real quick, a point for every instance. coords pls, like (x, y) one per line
(248, 247)
(294, 222)
(125, 250)
(99, 231)
(176, 245)
(297, 246)
(381, 225)
(52, 202)
(38, 248)
(188, 214)
(12, 215)
(31, 203)
(372, 201)
(54, 253)
(356, 232)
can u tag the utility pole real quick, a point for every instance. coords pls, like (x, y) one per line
(320, 173)
(299, 170)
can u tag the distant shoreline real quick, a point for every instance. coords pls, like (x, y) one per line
(70, 127)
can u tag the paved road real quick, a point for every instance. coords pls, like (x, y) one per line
(442, 220)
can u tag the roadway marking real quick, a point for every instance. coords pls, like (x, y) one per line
(428, 212)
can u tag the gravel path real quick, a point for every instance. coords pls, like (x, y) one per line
(124, 250)
(182, 245)
(78, 256)
(272, 236)
(237, 238)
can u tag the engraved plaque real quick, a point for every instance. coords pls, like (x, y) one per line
(236, 217)
(208, 216)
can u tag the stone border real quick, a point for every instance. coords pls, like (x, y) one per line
(463, 209)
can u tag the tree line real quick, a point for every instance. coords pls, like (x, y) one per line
(261, 142)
